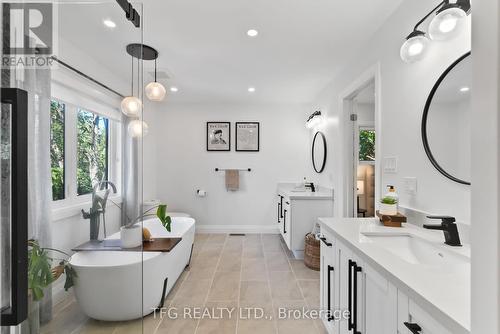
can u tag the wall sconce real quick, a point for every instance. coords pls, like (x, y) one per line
(314, 120)
(447, 23)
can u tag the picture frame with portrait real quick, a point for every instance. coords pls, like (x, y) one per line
(218, 136)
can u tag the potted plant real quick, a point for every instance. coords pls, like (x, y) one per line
(388, 206)
(131, 234)
(41, 274)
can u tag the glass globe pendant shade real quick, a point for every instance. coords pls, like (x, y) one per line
(414, 48)
(131, 106)
(155, 91)
(447, 24)
(137, 128)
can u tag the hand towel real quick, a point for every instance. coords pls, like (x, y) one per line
(232, 179)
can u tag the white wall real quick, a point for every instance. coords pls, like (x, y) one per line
(486, 168)
(403, 91)
(177, 144)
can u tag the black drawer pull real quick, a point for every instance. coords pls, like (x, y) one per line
(329, 244)
(284, 221)
(357, 269)
(279, 212)
(329, 291)
(349, 295)
(414, 328)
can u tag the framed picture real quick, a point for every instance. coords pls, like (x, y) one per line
(218, 136)
(247, 136)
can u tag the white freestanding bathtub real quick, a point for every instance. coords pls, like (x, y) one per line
(126, 285)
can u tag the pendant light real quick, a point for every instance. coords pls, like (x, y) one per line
(155, 90)
(137, 128)
(415, 47)
(131, 106)
(449, 20)
(447, 23)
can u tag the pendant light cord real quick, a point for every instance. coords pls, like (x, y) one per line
(155, 69)
(138, 78)
(132, 72)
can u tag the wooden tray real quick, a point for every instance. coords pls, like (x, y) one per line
(392, 220)
(156, 245)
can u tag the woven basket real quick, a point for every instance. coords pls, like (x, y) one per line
(311, 253)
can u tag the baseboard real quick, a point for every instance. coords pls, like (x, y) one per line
(250, 229)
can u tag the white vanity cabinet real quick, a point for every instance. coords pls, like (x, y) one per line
(298, 212)
(410, 315)
(370, 298)
(328, 296)
(375, 305)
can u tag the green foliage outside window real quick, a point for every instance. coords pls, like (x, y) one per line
(57, 113)
(92, 150)
(366, 145)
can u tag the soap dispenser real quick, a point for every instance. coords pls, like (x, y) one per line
(392, 193)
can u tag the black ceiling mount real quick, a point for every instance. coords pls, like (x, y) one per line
(130, 13)
(142, 51)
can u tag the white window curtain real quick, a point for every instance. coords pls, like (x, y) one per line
(37, 83)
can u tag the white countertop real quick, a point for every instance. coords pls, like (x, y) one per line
(290, 190)
(443, 292)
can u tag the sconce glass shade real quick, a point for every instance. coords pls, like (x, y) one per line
(315, 121)
(131, 106)
(137, 128)
(447, 24)
(414, 48)
(155, 91)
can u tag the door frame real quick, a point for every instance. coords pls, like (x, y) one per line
(346, 105)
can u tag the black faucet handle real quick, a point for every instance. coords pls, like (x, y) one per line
(444, 219)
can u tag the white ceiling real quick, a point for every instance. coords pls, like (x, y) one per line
(204, 47)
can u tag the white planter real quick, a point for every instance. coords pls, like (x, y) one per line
(388, 209)
(131, 237)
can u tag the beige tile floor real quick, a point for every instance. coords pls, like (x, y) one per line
(241, 272)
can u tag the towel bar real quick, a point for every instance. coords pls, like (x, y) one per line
(240, 169)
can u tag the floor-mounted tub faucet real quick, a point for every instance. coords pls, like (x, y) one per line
(98, 208)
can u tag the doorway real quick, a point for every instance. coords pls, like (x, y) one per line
(362, 154)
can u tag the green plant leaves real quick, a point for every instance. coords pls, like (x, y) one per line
(389, 200)
(39, 270)
(40, 273)
(70, 275)
(165, 219)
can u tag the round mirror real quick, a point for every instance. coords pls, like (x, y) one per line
(446, 132)
(319, 152)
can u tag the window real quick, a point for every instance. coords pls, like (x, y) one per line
(85, 148)
(92, 150)
(366, 145)
(57, 149)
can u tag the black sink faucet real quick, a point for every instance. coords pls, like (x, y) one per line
(449, 228)
(311, 185)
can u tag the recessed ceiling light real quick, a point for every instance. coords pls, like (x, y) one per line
(174, 89)
(464, 89)
(252, 33)
(108, 23)
(251, 89)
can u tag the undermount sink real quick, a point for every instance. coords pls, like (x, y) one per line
(416, 250)
(300, 190)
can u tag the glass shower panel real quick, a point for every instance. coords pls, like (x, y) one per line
(65, 71)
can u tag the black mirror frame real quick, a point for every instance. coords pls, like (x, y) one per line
(324, 152)
(424, 122)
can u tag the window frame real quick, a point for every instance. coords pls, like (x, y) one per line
(72, 203)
